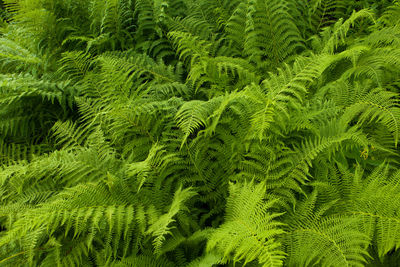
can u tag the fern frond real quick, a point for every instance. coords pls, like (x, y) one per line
(377, 105)
(324, 12)
(341, 29)
(194, 25)
(14, 57)
(283, 92)
(264, 30)
(189, 48)
(332, 241)
(161, 227)
(74, 65)
(390, 17)
(250, 230)
(69, 135)
(379, 221)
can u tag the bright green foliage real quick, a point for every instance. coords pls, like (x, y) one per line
(199, 133)
(249, 231)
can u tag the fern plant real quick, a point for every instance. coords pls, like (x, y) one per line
(199, 133)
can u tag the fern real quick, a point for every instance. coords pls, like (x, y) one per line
(253, 28)
(332, 241)
(161, 227)
(199, 133)
(250, 231)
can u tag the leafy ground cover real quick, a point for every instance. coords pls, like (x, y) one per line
(199, 133)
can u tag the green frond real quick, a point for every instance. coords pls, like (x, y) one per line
(192, 116)
(209, 259)
(162, 227)
(143, 169)
(11, 153)
(223, 74)
(128, 72)
(332, 241)
(189, 48)
(341, 28)
(283, 92)
(364, 105)
(194, 25)
(22, 94)
(198, 114)
(74, 65)
(68, 135)
(149, 17)
(240, 23)
(14, 57)
(250, 230)
(263, 30)
(323, 13)
(384, 37)
(390, 17)
(379, 221)
(117, 16)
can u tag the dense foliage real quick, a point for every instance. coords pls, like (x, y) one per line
(199, 133)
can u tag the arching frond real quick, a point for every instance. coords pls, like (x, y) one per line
(264, 30)
(162, 227)
(250, 229)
